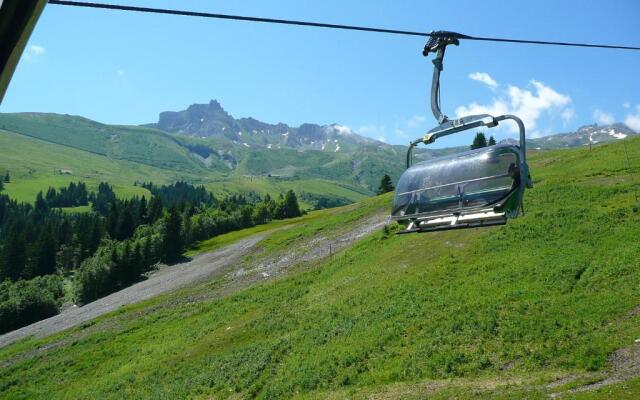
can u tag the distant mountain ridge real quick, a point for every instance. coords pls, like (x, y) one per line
(594, 133)
(211, 120)
(207, 120)
(205, 144)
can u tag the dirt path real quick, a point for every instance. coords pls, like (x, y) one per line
(202, 267)
(624, 365)
(226, 261)
(319, 247)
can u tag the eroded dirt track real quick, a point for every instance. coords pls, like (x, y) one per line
(200, 268)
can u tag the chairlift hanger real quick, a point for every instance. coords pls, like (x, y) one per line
(481, 187)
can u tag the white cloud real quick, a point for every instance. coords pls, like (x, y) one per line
(484, 78)
(568, 114)
(33, 51)
(523, 103)
(382, 138)
(626, 104)
(603, 118)
(416, 121)
(120, 73)
(36, 50)
(339, 129)
(633, 120)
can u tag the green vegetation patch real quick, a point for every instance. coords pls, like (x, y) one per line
(548, 293)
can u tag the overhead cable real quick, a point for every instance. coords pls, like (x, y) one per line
(323, 25)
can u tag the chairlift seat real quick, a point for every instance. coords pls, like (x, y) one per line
(475, 188)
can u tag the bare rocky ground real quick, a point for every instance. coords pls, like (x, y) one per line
(309, 250)
(624, 365)
(228, 263)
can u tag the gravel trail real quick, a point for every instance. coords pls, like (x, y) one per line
(200, 268)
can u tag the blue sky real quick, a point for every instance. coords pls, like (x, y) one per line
(125, 68)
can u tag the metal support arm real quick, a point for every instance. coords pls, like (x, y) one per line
(450, 127)
(435, 86)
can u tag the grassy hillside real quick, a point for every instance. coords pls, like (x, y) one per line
(36, 164)
(217, 160)
(496, 312)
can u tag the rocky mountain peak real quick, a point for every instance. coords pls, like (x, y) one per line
(206, 120)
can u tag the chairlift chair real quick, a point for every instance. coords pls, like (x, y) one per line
(481, 187)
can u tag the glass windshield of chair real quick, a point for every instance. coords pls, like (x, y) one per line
(472, 180)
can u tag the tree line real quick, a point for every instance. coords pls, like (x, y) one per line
(480, 141)
(73, 195)
(113, 245)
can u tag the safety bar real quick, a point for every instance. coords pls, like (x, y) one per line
(471, 122)
(450, 127)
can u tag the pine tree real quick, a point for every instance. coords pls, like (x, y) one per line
(135, 264)
(479, 141)
(279, 211)
(3, 208)
(14, 255)
(44, 253)
(172, 244)
(96, 236)
(187, 229)
(82, 197)
(118, 267)
(261, 213)
(41, 207)
(105, 198)
(147, 258)
(112, 221)
(128, 271)
(271, 206)
(492, 141)
(7, 178)
(385, 185)
(125, 224)
(1, 186)
(246, 217)
(142, 211)
(291, 206)
(155, 209)
(65, 232)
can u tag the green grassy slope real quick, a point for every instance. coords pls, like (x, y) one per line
(221, 163)
(137, 144)
(489, 312)
(216, 157)
(36, 164)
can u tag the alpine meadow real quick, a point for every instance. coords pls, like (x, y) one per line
(319, 200)
(543, 305)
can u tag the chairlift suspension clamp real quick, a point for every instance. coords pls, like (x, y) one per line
(437, 43)
(439, 40)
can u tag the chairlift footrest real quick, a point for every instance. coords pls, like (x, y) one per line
(483, 219)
